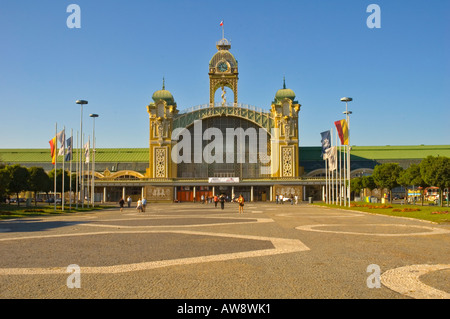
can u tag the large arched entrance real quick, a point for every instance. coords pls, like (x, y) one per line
(230, 146)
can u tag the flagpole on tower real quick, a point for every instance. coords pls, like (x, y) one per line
(223, 31)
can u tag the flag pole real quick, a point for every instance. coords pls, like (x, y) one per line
(337, 170)
(345, 172)
(56, 160)
(88, 171)
(332, 172)
(83, 162)
(328, 173)
(70, 169)
(77, 194)
(326, 181)
(63, 168)
(340, 175)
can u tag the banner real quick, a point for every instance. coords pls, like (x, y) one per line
(223, 180)
(326, 143)
(52, 143)
(69, 150)
(332, 158)
(86, 151)
(61, 136)
(342, 130)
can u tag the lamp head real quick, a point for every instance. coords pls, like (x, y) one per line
(346, 99)
(81, 102)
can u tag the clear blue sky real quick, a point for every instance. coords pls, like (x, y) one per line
(398, 75)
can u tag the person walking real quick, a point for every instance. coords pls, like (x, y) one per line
(139, 205)
(129, 201)
(121, 203)
(241, 203)
(216, 200)
(144, 204)
(222, 201)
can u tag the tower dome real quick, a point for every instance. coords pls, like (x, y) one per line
(284, 93)
(163, 95)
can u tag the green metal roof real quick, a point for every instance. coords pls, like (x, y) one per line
(101, 155)
(313, 153)
(307, 153)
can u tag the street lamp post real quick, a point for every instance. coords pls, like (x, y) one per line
(93, 159)
(347, 113)
(81, 102)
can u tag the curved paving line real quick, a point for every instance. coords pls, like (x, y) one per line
(406, 281)
(432, 230)
(281, 246)
(249, 221)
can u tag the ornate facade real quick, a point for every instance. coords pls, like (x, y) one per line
(263, 151)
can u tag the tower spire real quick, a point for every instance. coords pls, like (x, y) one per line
(284, 82)
(164, 84)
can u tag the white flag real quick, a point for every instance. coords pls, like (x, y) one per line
(61, 137)
(332, 158)
(86, 151)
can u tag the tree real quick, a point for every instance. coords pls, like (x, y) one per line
(367, 182)
(4, 182)
(59, 174)
(19, 177)
(39, 181)
(356, 185)
(411, 177)
(386, 176)
(435, 171)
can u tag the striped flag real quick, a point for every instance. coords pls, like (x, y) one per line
(342, 130)
(52, 143)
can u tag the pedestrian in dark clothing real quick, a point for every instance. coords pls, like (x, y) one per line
(222, 201)
(121, 203)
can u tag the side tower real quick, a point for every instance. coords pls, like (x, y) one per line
(285, 110)
(223, 71)
(161, 112)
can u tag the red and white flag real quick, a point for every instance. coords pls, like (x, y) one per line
(221, 23)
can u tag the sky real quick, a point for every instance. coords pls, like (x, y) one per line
(398, 75)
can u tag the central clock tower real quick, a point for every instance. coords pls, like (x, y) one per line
(223, 71)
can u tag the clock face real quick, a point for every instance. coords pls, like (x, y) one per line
(222, 67)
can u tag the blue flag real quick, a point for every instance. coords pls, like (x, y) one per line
(69, 149)
(326, 142)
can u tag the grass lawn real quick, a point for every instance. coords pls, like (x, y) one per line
(12, 211)
(431, 213)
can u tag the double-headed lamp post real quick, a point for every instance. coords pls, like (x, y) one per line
(81, 102)
(347, 113)
(93, 159)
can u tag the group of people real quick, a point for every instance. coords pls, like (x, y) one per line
(221, 199)
(280, 199)
(141, 204)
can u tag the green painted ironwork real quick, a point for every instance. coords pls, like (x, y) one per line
(258, 116)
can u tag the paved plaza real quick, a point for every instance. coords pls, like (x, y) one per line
(193, 251)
